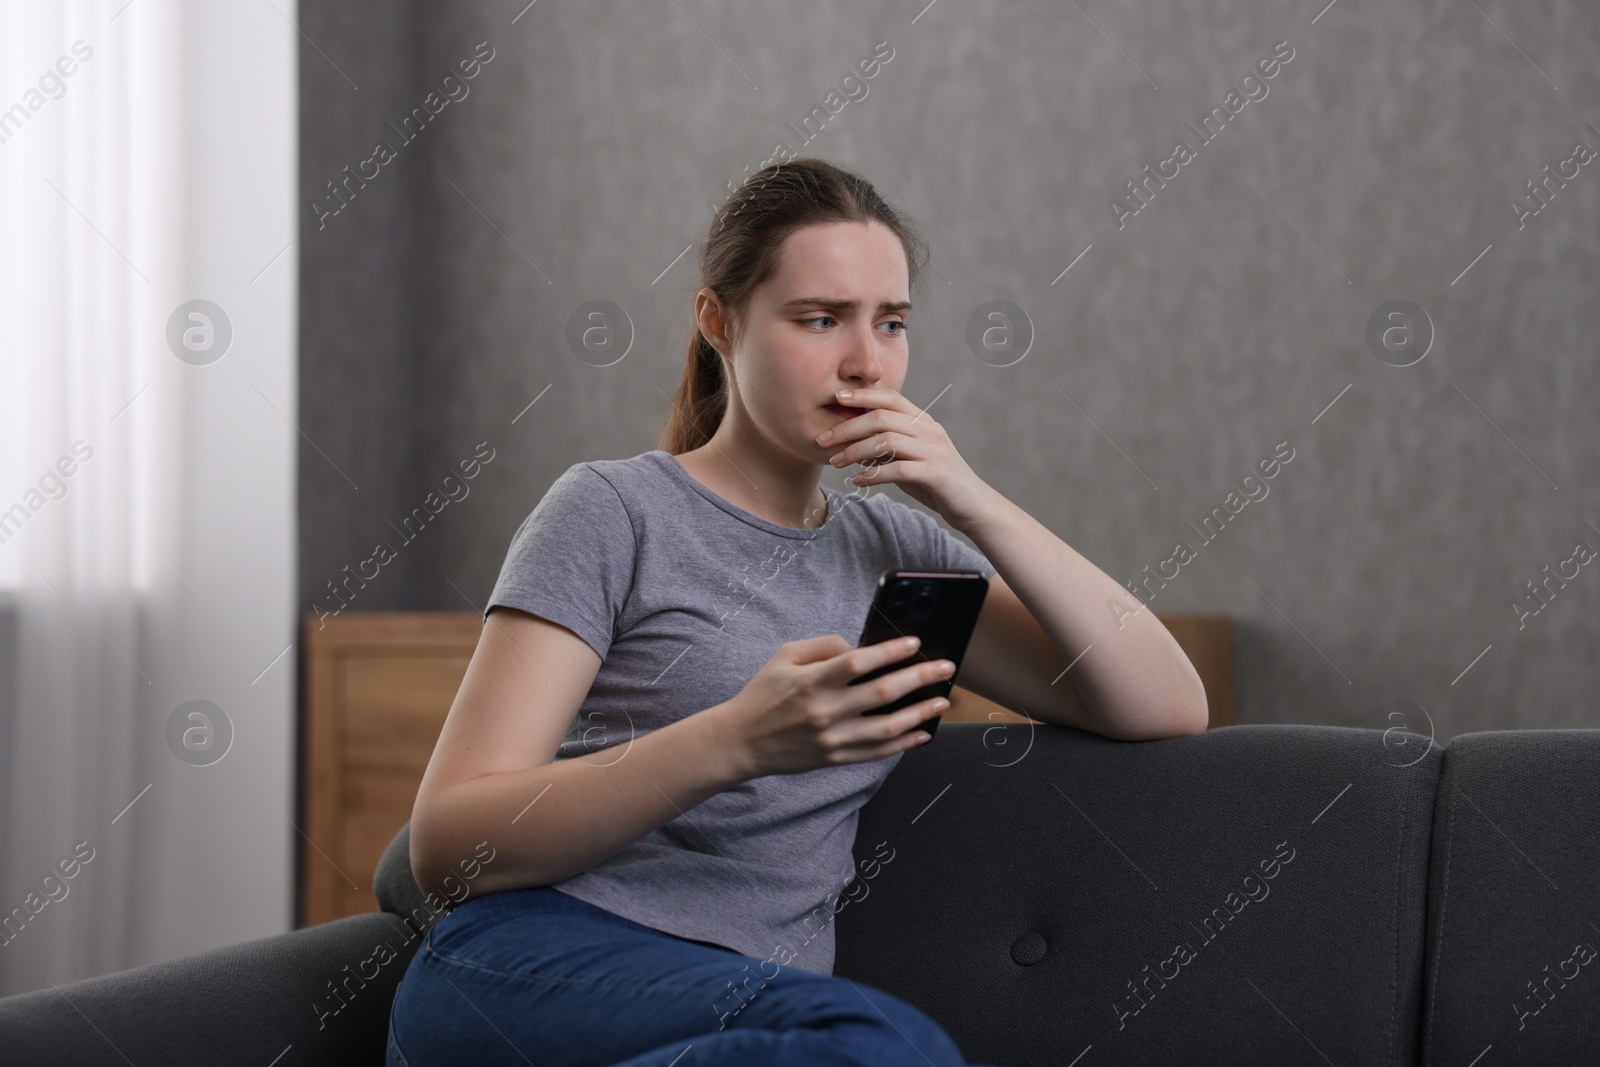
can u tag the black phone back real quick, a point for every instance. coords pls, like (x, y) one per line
(940, 607)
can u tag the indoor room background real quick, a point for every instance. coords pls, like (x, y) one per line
(1159, 352)
(1281, 311)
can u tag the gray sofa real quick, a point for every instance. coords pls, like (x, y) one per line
(1251, 895)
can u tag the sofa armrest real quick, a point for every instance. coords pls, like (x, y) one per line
(324, 990)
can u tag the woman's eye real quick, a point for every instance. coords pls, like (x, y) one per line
(892, 322)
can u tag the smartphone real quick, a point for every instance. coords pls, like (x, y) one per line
(940, 607)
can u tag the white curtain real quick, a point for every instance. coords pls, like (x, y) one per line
(147, 159)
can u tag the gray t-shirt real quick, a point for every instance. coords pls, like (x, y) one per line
(685, 596)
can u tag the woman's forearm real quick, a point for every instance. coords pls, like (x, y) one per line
(1135, 679)
(551, 822)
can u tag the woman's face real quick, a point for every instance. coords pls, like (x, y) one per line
(832, 317)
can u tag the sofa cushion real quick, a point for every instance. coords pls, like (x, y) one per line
(1513, 928)
(1225, 898)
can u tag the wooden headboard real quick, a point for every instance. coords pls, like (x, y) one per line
(378, 687)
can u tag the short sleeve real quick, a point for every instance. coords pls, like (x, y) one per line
(572, 559)
(922, 538)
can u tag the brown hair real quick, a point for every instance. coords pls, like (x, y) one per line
(741, 252)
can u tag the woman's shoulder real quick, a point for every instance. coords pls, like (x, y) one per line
(594, 494)
(626, 475)
(624, 480)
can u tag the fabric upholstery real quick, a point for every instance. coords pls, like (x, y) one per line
(245, 1004)
(1512, 901)
(1040, 877)
(1027, 887)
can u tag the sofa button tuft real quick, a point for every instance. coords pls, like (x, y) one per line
(1029, 948)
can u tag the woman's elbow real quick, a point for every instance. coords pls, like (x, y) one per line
(1193, 716)
(422, 841)
(1189, 711)
(1185, 716)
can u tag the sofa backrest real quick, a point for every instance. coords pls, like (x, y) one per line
(1220, 898)
(1514, 901)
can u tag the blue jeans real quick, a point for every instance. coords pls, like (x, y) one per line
(536, 976)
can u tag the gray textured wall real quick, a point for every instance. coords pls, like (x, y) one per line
(360, 273)
(1223, 318)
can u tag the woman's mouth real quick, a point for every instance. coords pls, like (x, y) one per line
(844, 412)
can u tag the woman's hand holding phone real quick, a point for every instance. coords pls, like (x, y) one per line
(800, 712)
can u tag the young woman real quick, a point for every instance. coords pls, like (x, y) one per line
(656, 741)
